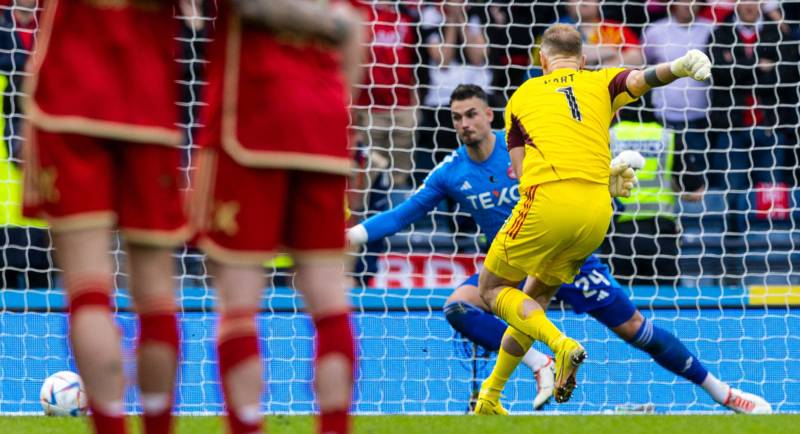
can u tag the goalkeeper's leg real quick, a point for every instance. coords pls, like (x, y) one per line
(669, 352)
(321, 280)
(152, 288)
(87, 273)
(240, 288)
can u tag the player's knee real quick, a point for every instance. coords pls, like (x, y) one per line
(516, 343)
(323, 286)
(629, 330)
(457, 312)
(468, 294)
(454, 297)
(650, 338)
(487, 293)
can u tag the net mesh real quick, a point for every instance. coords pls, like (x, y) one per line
(726, 284)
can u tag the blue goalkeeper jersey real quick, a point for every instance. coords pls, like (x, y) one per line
(487, 191)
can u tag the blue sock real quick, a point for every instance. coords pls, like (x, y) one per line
(669, 352)
(477, 325)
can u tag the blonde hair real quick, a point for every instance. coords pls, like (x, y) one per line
(562, 39)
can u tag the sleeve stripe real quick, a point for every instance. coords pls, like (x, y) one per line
(618, 84)
(517, 136)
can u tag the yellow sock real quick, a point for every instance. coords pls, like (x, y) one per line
(504, 366)
(509, 306)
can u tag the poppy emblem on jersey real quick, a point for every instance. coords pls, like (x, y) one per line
(47, 185)
(510, 172)
(225, 217)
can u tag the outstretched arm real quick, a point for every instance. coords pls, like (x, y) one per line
(390, 222)
(694, 64)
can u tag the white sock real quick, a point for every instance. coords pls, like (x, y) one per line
(717, 389)
(534, 360)
(250, 414)
(155, 403)
(111, 408)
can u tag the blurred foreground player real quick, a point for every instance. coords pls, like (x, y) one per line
(272, 178)
(103, 154)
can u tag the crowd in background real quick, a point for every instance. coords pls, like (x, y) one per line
(420, 50)
(736, 132)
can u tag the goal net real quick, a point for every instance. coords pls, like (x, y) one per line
(717, 264)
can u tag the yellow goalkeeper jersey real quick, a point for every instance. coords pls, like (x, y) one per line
(562, 119)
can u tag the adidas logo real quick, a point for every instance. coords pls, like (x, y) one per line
(688, 364)
(466, 186)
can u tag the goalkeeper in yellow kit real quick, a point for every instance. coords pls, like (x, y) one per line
(557, 134)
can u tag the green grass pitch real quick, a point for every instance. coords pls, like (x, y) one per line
(677, 424)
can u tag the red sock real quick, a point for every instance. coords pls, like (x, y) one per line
(89, 294)
(160, 423)
(161, 327)
(334, 422)
(105, 423)
(93, 292)
(237, 343)
(335, 336)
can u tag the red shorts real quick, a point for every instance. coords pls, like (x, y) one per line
(79, 182)
(244, 214)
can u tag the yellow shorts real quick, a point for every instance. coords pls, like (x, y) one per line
(553, 229)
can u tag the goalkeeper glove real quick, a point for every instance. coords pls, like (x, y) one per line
(357, 235)
(693, 64)
(623, 174)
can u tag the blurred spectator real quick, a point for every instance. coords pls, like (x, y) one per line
(17, 30)
(754, 77)
(386, 107)
(682, 105)
(366, 196)
(193, 39)
(608, 42)
(513, 29)
(633, 13)
(25, 246)
(456, 50)
(657, 9)
(719, 10)
(643, 241)
(25, 243)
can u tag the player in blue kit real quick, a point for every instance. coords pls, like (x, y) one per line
(478, 176)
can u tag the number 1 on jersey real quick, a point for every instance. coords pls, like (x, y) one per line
(573, 103)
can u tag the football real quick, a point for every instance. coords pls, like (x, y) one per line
(62, 394)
